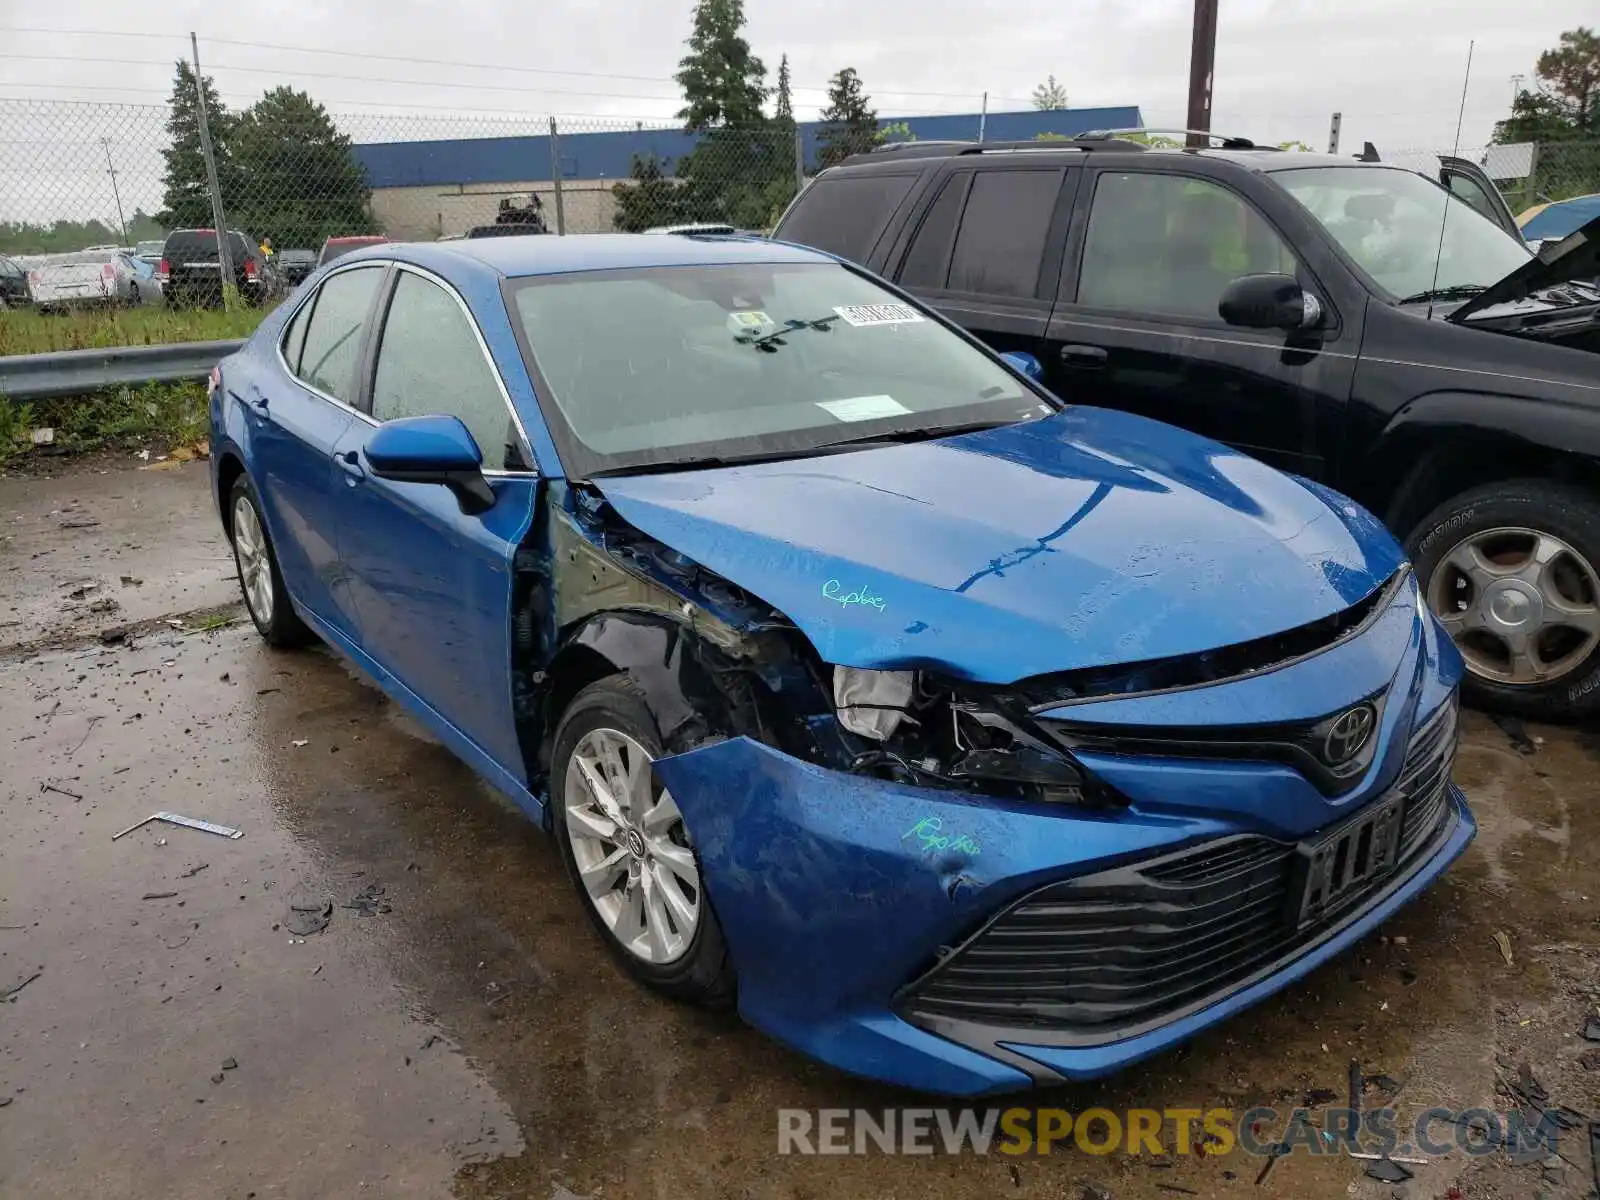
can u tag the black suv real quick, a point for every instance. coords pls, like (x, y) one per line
(1305, 309)
(191, 274)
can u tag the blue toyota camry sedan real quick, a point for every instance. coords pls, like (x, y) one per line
(961, 737)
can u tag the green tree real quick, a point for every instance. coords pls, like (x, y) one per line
(58, 237)
(783, 109)
(849, 123)
(1049, 95)
(1566, 104)
(298, 182)
(186, 199)
(651, 199)
(723, 83)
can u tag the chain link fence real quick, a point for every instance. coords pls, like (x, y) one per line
(78, 175)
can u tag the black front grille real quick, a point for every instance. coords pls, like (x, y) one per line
(1137, 944)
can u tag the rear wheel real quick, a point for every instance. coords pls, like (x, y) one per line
(265, 597)
(627, 847)
(1512, 570)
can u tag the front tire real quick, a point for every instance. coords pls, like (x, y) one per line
(627, 849)
(260, 580)
(1512, 570)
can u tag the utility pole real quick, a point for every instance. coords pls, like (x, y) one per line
(1202, 63)
(111, 170)
(218, 218)
(1333, 132)
(983, 117)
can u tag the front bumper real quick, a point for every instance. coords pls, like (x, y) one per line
(848, 903)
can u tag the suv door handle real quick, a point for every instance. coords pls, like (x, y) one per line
(350, 463)
(1084, 358)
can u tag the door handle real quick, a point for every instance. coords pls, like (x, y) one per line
(350, 463)
(1084, 358)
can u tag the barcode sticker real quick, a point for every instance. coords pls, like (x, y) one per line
(879, 314)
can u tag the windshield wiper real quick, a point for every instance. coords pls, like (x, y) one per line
(771, 341)
(1461, 291)
(922, 434)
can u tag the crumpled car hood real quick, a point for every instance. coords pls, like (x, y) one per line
(1090, 538)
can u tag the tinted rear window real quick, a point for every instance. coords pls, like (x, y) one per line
(1001, 244)
(193, 246)
(844, 214)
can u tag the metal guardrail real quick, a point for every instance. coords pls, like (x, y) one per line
(76, 372)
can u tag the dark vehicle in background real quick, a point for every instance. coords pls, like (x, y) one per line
(517, 217)
(507, 230)
(294, 265)
(1337, 318)
(191, 271)
(13, 284)
(335, 246)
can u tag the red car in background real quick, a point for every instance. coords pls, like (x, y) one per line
(335, 246)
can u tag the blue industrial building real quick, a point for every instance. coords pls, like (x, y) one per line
(466, 162)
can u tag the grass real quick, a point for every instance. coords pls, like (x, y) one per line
(23, 331)
(169, 414)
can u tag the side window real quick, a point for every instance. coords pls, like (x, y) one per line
(1171, 244)
(294, 337)
(1467, 189)
(332, 340)
(845, 214)
(430, 362)
(1001, 244)
(927, 262)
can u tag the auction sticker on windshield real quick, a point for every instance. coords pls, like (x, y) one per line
(879, 314)
(864, 408)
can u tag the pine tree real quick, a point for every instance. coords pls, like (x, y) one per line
(783, 113)
(1049, 96)
(850, 125)
(650, 200)
(186, 198)
(724, 85)
(302, 183)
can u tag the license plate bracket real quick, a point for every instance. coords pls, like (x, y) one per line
(1344, 863)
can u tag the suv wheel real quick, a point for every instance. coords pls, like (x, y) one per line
(1512, 570)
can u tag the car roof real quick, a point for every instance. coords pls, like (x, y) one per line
(548, 254)
(1098, 150)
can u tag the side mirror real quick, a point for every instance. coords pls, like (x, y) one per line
(1025, 363)
(1269, 302)
(432, 450)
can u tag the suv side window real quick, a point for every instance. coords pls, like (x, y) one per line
(1468, 189)
(430, 362)
(1000, 247)
(927, 263)
(845, 214)
(332, 340)
(1171, 244)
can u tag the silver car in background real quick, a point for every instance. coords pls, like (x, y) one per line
(92, 278)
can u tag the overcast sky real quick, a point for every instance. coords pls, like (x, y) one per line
(1393, 67)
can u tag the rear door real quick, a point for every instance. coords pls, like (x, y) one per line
(432, 585)
(296, 416)
(987, 250)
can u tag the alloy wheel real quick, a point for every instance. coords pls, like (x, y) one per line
(630, 847)
(1522, 605)
(255, 563)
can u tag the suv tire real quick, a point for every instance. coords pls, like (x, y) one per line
(1511, 567)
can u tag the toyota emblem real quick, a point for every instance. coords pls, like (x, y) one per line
(1348, 734)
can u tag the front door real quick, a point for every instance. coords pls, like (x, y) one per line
(432, 585)
(1137, 326)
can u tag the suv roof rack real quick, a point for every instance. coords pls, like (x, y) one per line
(1099, 140)
(1223, 141)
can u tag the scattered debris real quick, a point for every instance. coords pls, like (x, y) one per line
(11, 992)
(1591, 1030)
(82, 591)
(114, 634)
(1172, 1187)
(369, 900)
(1594, 1152)
(433, 1039)
(42, 436)
(1086, 1191)
(1589, 1060)
(1516, 732)
(131, 581)
(1386, 1170)
(1386, 1084)
(298, 742)
(1317, 1097)
(217, 1078)
(56, 787)
(1358, 1088)
(306, 919)
(193, 871)
(158, 895)
(187, 822)
(84, 523)
(104, 605)
(1504, 942)
(230, 1064)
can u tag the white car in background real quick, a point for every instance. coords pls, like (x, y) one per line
(92, 278)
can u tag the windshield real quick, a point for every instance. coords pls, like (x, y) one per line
(665, 364)
(1388, 220)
